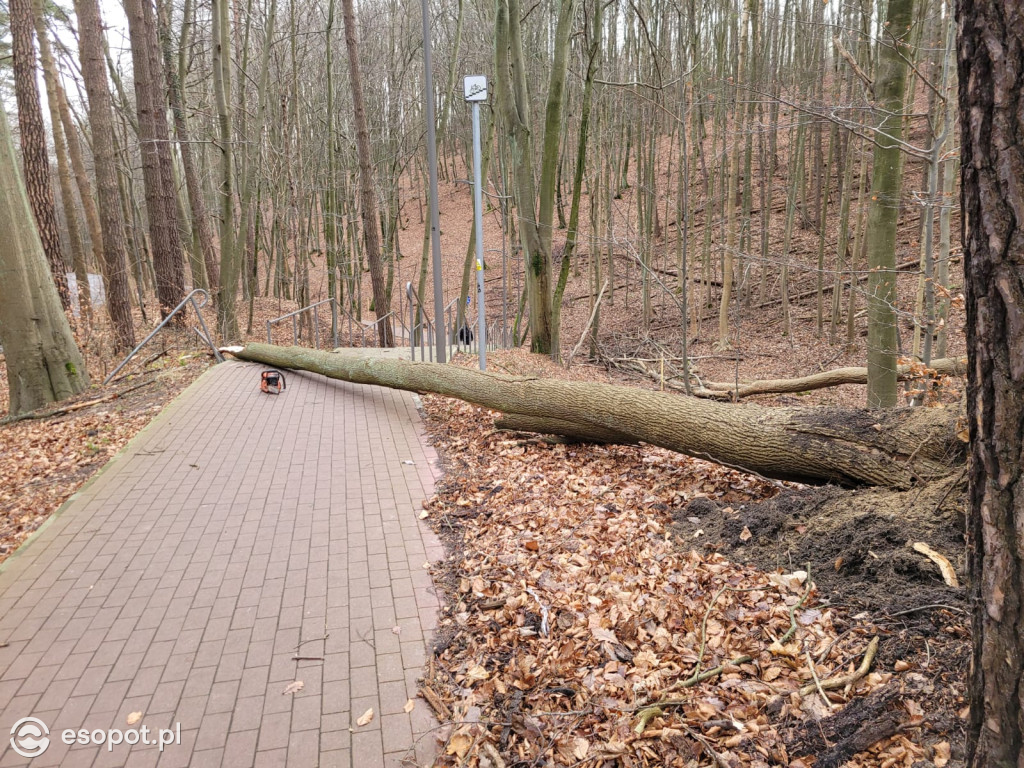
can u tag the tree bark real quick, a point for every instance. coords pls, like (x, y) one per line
(816, 445)
(583, 433)
(33, 142)
(43, 362)
(513, 103)
(883, 212)
(368, 200)
(944, 367)
(114, 263)
(200, 219)
(230, 255)
(991, 60)
(67, 193)
(85, 192)
(593, 52)
(157, 177)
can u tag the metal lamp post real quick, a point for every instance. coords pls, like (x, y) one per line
(475, 93)
(435, 223)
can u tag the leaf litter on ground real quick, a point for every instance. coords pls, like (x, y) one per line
(579, 632)
(43, 461)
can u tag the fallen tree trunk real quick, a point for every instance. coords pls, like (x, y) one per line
(896, 448)
(947, 366)
(582, 433)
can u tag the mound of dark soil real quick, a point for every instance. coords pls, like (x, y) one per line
(858, 543)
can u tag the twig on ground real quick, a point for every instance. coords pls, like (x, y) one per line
(439, 707)
(842, 681)
(817, 682)
(311, 640)
(928, 607)
(646, 715)
(719, 760)
(796, 607)
(586, 328)
(74, 406)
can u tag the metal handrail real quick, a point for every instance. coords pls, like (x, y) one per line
(452, 333)
(316, 322)
(190, 299)
(337, 309)
(366, 325)
(416, 307)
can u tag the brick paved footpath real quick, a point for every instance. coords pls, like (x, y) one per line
(237, 531)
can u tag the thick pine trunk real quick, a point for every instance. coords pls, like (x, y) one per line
(991, 60)
(157, 177)
(114, 263)
(33, 142)
(815, 445)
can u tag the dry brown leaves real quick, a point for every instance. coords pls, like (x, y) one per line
(44, 461)
(572, 611)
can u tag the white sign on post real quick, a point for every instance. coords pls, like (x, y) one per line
(476, 92)
(475, 88)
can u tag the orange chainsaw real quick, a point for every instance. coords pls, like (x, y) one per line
(272, 382)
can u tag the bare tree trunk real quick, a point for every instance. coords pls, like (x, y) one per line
(728, 390)
(246, 224)
(883, 211)
(85, 192)
(197, 205)
(991, 57)
(593, 53)
(43, 363)
(67, 192)
(114, 263)
(368, 200)
(512, 103)
(156, 169)
(230, 256)
(33, 142)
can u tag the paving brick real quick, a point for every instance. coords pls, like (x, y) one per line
(274, 731)
(240, 750)
(367, 748)
(247, 714)
(235, 533)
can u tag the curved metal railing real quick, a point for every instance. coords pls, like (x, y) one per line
(365, 332)
(190, 299)
(419, 320)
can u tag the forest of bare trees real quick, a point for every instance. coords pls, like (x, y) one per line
(789, 159)
(664, 182)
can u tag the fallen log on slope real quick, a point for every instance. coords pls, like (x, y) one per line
(947, 366)
(851, 447)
